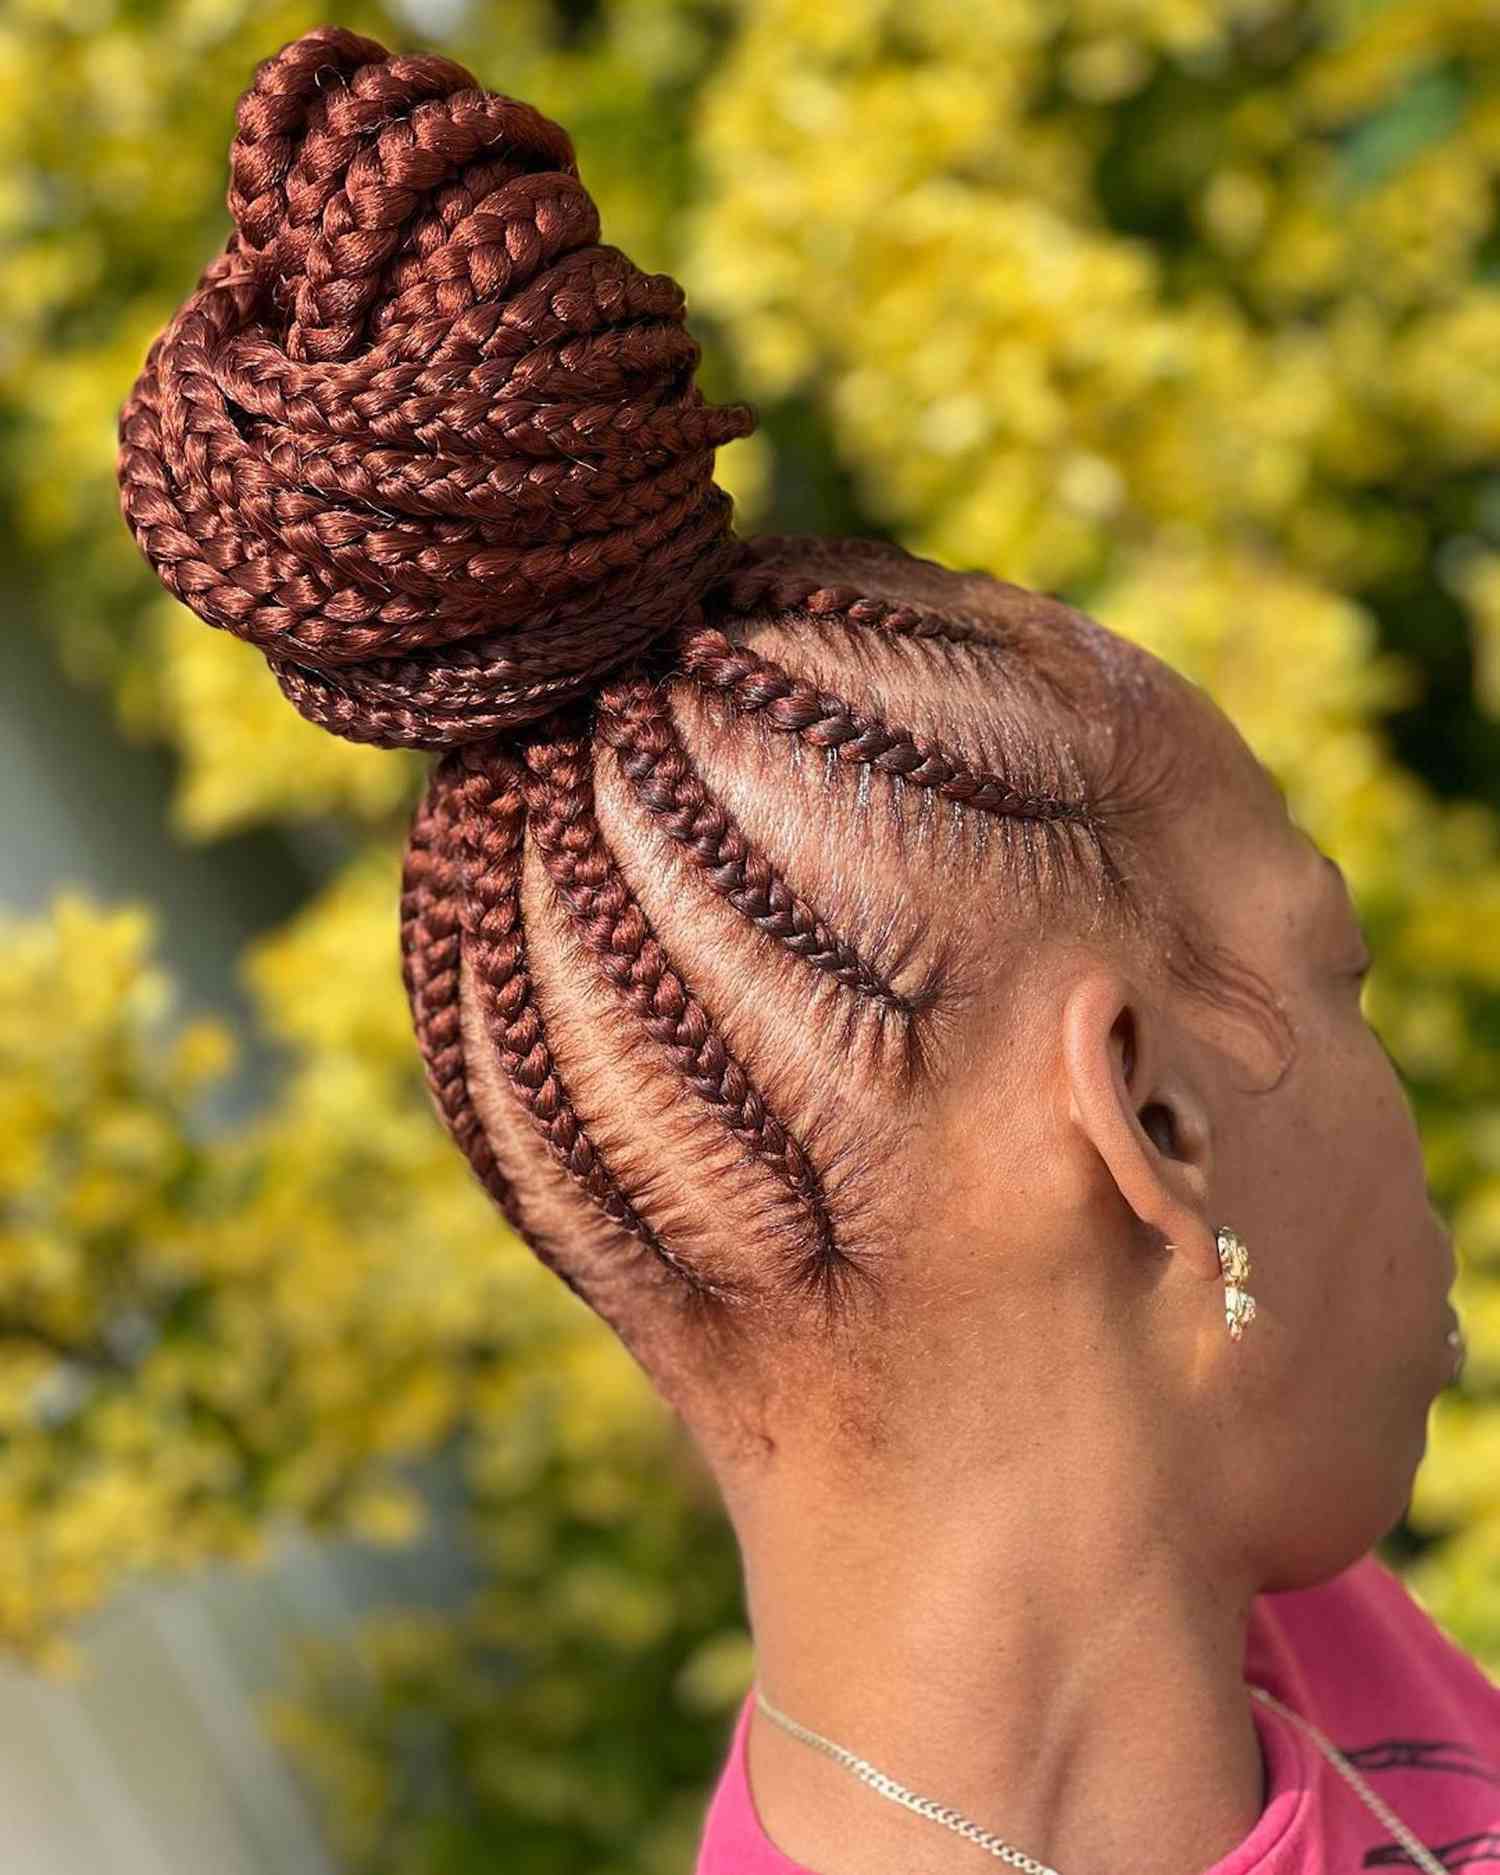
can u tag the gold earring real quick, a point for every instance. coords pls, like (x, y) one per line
(1234, 1261)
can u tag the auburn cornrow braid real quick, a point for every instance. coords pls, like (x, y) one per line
(489, 829)
(786, 575)
(764, 582)
(432, 916)
(636, 723)
(753, 684)
(611, 921)
(432, 892)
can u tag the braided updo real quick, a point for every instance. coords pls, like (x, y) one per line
(417, 434)
(679, 987)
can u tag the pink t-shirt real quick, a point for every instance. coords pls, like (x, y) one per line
(1360, 1657)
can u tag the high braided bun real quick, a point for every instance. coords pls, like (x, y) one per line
(417, 433)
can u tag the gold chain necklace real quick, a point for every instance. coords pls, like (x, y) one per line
(960, 1825)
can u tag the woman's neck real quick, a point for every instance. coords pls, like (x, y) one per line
(1059, 1666)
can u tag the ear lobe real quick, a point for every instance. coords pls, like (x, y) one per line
(1111, 1056)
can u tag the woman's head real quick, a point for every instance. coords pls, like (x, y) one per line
(865, 983)
(1153, 1114)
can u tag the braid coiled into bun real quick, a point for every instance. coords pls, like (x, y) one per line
(418, 434)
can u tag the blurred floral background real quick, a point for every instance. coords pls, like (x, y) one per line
(1188, 310)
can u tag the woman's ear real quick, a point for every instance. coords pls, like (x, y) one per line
(1138, 1108)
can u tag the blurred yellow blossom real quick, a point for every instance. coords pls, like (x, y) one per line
(1186, 309)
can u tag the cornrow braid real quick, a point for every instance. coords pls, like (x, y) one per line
(788, 571)
(437, 906)
(432, 914)
(438, 452)
(631, 956)
(488, 818)
(636, 724)
(754, 683)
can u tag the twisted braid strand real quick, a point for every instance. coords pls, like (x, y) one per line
(480, 821)
(418, 434)
(753, 684)
(614, 926)
(431, 932)
(636, 723)
(762, 582)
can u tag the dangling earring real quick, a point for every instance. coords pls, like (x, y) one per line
(1234, 1261)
